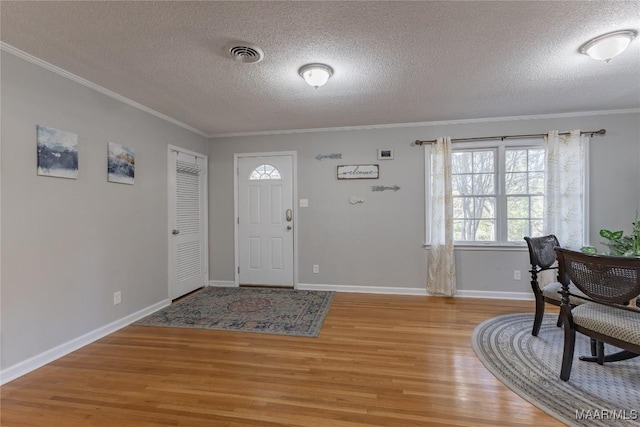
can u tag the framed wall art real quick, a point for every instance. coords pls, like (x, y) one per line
(385, 154)
(121, 164)
(57, 152)
(358, 172)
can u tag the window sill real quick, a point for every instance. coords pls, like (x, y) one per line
(492, 247)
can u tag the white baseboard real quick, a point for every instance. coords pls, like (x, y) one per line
(525, 296)
(414, 291)
(361, 289)
(391, 290)
(222, 283)
(35, 362)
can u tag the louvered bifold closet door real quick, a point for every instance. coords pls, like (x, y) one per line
(188, 221)
(188, 235)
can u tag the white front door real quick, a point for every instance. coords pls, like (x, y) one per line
(265, 219)
(188, 236)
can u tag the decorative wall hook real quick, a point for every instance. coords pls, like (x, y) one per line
(329, 156)
(383, 188)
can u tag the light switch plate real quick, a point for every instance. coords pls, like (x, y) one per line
(304, 203)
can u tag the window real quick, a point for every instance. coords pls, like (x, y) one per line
(473, 185)
(498, 191)
(264, 172)
(524, 189)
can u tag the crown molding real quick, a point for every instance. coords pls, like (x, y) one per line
(433, 123)
(57, 70)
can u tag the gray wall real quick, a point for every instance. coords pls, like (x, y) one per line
(378, 243)
(68, 245)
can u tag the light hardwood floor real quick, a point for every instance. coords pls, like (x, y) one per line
(380, 360)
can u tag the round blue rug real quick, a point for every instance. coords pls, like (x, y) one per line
(595, 395)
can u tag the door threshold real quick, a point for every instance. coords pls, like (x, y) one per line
(242, 285)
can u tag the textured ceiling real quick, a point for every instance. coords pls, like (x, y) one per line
(394, 61)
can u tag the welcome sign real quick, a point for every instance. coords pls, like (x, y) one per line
(358, 172)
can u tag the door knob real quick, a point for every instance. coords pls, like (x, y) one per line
(289, 215)
(175, 232)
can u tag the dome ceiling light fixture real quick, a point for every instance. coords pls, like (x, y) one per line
(608, 46)
(315, 75)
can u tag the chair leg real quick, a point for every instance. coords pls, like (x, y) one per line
(594, 350)
(600, 352)
(559, 324)
(537, 321)
(569, 345)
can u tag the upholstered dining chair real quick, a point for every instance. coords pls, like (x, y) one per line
(609, 283)
(542, 257)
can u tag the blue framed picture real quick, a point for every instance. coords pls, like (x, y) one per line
(121, 164)
(57, 152)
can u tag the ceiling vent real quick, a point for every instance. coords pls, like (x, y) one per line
(246, 53)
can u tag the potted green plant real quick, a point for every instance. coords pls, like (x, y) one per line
(618, 243)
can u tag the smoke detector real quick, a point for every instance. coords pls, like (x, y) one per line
(244, 52)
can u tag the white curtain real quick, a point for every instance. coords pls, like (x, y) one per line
(441, 278)
(565, 190)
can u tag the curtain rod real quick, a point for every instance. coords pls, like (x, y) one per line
(502, 138)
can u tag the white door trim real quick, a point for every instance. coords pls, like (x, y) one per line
(236, 158)
(171, 213)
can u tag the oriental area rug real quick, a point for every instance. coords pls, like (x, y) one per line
(262, 310)
(595, 395)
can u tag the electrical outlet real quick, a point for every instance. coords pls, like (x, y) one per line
(117, 298)
(316, 268)
(516, 274)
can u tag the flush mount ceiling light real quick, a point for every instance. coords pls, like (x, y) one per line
(315, 75)
(608, 46)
